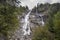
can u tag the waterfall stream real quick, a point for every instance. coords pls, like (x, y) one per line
(25, 28)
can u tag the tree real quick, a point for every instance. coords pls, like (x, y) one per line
(57, 25)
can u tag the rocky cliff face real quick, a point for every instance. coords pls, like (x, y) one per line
(36, 19)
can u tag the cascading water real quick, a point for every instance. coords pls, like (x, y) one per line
(25, 28)
(26, 24)
(42, 22)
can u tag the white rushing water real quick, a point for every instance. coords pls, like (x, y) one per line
(42, 22)
(25, 28)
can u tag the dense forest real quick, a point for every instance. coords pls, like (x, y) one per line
(9, 21)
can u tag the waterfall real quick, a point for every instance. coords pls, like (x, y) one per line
(26, 24)
(42, 22)
(25, 28)
(24, 32)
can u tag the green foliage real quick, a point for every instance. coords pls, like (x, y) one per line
(41, 33)
(9, 21)
(57, 25)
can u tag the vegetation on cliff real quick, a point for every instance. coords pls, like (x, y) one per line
(9, 18)
(51, 31)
